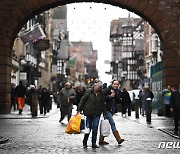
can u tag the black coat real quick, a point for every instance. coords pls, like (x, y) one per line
(126, 98)
(109, 99)
(175, 100)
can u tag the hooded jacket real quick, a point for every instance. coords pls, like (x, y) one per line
(92, 105)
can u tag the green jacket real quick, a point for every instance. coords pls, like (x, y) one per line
(92, 105)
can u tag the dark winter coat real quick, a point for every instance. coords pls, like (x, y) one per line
(45, 98)
(20, 91)
(126, 98)
(109, 100)
(64, 94)
(92, 105)
(175, 100)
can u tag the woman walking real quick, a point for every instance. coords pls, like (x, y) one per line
(112, 97)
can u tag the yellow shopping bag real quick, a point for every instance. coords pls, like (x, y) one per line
(73, 125)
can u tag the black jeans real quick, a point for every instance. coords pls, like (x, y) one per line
(176, 119)
(66, 110)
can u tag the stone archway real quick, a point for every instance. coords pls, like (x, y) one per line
(163, 15)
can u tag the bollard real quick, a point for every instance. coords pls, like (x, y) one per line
(137, 108)
(148, 110)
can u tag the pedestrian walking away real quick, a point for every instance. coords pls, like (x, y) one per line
(175, 107)
(146, 93)
(13, 96)
(93, 105)
(20, 93)
(112, 97)
(66, 98)
(45, 100)
(126, 102)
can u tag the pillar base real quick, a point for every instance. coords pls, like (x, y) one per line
(5, 108)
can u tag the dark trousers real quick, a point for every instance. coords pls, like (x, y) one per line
(176, 120)
(126, 107)
(65, 110)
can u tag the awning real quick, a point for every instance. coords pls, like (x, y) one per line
(33, 35)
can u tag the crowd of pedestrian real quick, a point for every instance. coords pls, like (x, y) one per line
(35, 98)
(99, 99)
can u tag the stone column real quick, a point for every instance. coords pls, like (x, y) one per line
(171, 67)
(5, 80)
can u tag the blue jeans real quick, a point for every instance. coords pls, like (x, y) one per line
(143, 104)
(92, 124)
(111, 120)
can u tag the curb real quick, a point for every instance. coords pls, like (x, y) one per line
(169, 133)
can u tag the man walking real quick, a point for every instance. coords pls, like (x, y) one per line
(66, 97)
(93, 105)
(175, 107)
(20, 92)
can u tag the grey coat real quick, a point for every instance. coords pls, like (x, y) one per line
(64, 94)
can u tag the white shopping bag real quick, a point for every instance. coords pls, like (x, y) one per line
(105, 127)
(85, 130)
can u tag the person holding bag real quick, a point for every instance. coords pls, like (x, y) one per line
(112, 97)
(93, 105)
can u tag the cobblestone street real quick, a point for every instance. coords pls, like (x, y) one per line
(46, 135)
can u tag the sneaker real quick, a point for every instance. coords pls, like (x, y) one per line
(95, 146)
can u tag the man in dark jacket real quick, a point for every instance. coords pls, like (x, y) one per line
(66, 97)
(126, 102)
(175, 107)
(20, 93)
(93, 105)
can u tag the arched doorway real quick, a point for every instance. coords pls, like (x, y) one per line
(163, 15)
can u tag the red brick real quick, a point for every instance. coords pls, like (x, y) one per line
(142, 5)
(171, 62)
(5, 70)
(17, 14)
(33, 4)
(164, 24)
(150, 10)
(43, 2)
(157, 17)
(4, 41)
(133, 2)
(171, 53)
(171, 72)
(4, 60)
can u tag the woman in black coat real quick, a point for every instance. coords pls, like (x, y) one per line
(45, 99)
(112, 97)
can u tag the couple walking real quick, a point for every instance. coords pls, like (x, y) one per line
(94, 103)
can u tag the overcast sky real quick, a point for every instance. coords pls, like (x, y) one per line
(91, 22)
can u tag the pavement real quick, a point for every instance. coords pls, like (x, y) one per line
(22, 134)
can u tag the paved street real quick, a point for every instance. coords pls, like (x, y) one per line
(45, 134)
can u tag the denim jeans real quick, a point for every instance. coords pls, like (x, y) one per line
(111, 120)
(92, 124)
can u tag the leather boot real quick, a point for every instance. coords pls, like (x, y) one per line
(118, 138)
(101, 140)
(86, 136)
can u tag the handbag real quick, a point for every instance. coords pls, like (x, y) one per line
(73, 125)
(104, 127)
